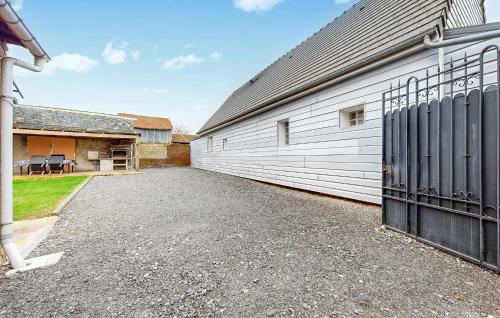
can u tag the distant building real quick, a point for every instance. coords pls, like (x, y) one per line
(151, 129)
(89, 138)
(182, 138)
(157, 145)
(97, 141)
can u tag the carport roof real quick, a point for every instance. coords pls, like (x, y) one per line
(60, 119)
(371, 29)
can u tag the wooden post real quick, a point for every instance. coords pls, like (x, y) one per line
(136, 154)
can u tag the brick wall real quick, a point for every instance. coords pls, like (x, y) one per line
(177, 154)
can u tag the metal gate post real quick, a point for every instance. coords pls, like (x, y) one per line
(383, 159)
(498, 157)
(408, 166)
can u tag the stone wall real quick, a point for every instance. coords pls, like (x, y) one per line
(20, 149)
(83, 146)
(156, 151)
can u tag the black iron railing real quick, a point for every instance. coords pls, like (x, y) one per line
(441, 157)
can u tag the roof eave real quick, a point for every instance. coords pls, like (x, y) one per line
(21, 31)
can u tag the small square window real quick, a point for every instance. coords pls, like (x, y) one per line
(210, 144)
(352, 116)
(283, 132)
(225, 145)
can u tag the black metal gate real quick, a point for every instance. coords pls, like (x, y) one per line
(441, 158)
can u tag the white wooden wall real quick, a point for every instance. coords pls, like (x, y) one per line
(322, 156)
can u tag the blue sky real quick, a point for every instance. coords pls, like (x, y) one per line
(177, 58)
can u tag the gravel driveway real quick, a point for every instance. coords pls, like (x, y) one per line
(190, 243)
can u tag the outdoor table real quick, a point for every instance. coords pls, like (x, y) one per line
(21, 164)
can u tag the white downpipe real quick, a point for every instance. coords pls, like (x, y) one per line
(441, 69)
(6, 155)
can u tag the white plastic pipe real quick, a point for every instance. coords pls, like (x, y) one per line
(16, 25)
(6, 155)
(462, 40)
(441, 57)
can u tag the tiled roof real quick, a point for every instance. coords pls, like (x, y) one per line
(147, 122)
(59, 119)
(369, 30)
(182, 138)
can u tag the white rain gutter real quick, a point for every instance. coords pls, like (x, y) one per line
(9, 16)
(462, 40)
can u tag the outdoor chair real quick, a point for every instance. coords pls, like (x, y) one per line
(37, 163)
(70, 164)
(56, 163)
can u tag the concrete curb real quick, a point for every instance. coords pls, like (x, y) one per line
(70, 197)
(44, 232)
(38, 238)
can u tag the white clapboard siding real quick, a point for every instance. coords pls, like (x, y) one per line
(322, 156)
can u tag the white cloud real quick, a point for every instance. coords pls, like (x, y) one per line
(182, 61)
(492, 11)
(215, 56)
(149, 90)
(17, 4)
(135, 54)
(189, 45)
(256, 5)
(342, 1)
(114, 55)
(70, 62)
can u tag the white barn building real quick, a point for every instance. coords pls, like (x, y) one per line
(312, 119)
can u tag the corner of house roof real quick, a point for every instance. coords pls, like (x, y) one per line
(248, 99)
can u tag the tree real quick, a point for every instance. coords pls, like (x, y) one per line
(181, 130)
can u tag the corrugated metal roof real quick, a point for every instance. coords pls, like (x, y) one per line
(370, 28)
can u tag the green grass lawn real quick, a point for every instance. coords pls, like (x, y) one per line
(38, 197)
